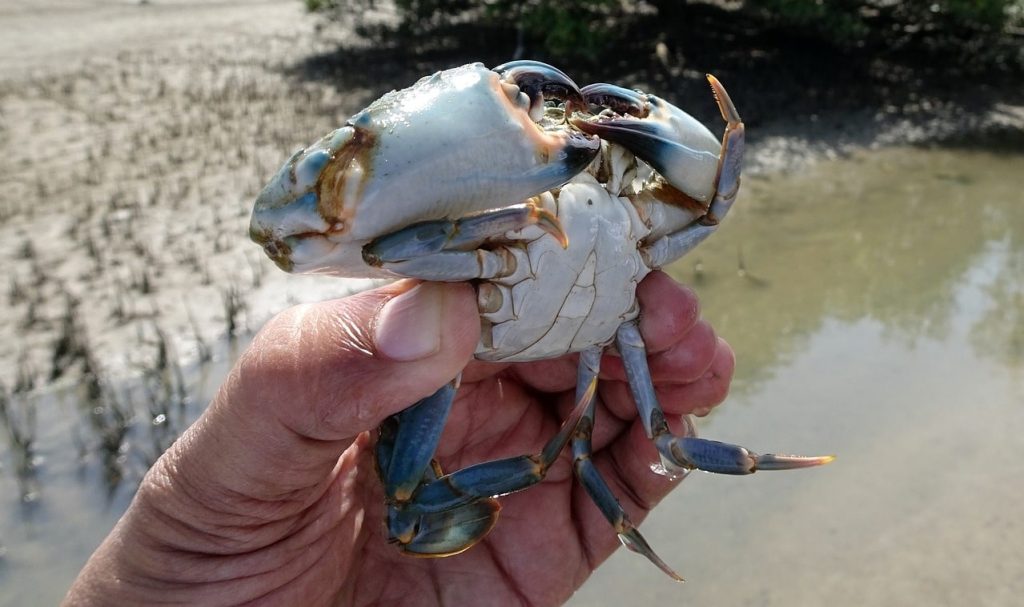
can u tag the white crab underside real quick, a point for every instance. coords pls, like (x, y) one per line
(561, 301)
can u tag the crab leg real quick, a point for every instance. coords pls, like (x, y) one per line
(436, 514)
(499, 477)
(436, 534)
(727, 183)
(682, 453)
(590, 477)
(441, 534)
(448, 249)
(419, 430)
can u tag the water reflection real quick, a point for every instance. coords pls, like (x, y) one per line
(886, 235)
(76, 454)
(1000, 331)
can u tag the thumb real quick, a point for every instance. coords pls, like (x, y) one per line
(318, 375)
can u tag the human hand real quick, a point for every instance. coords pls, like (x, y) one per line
(271, 496)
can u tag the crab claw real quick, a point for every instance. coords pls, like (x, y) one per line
(458, 142)
(541, 81)
(680, 148)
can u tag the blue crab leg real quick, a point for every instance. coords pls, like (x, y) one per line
(437, 534)
(498, 477)
(673, 246)
(418, 431)
(447, 249)
(448, 513)
(590, 477)
(682, 453)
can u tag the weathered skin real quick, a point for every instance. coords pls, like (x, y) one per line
(555, 211)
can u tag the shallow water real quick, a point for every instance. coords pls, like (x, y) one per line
(878, 314)
(876, 305)
(82, 479)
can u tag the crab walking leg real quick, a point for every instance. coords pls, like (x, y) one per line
(448, 249)
(681, 453)
(449, 513)
(590, 477)
(439, 534)
(498, 477)
(673, 246)
(419, 430)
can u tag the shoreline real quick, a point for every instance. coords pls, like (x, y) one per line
(132, 166)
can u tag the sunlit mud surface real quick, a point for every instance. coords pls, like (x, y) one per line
(133, 139)
(876, 306)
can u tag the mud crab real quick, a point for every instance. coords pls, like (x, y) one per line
(555, 201)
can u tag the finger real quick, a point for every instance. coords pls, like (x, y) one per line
(684, 361)
(668, 311)
(317, 375)
(557, 375)
(479, 370)
(703, 395)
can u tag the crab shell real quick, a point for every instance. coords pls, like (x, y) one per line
(457, 142)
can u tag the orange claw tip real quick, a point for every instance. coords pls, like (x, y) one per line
(725, 105)
(548, 222)
(820, 460)
(791, 462)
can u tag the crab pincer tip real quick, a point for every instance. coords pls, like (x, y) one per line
(826, 459)
(725, 104)
(791, 462)
(547, 221)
